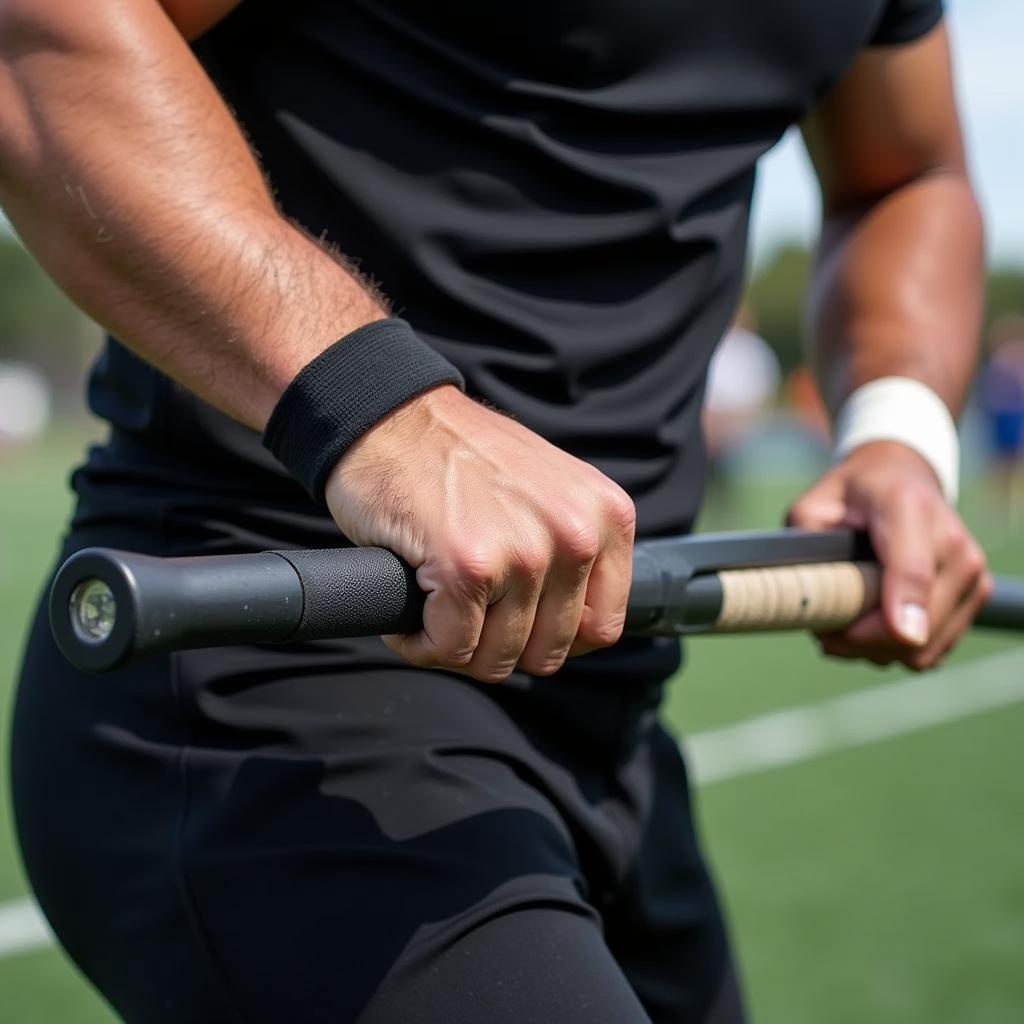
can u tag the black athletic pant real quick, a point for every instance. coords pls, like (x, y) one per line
(324, 834)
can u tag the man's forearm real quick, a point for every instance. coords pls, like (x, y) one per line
(898, 289)
(125, 174)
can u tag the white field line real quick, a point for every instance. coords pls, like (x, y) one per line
(855, 719)
(762, 743)
(22, 928)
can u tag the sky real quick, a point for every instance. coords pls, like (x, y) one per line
(988, 49)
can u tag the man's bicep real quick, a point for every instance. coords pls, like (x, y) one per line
(891, 119)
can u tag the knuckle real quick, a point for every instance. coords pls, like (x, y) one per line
(496, 673)
(531, 561)
(549, 668)
(974, 559)
(956, 534)
(604, 632)
(916, 497)
(955, 543)
(918, 574)
(621, 510)
(546, 664)
(579, 540)
(456, 657)
(475, 567)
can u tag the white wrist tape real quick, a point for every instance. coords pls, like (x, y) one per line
(905, 410)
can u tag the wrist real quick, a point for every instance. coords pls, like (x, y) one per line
(899, 462)
(397, 434)
(904, 411)
(345, 392)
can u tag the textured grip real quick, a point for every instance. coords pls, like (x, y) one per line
(821, 598)
(355, 592)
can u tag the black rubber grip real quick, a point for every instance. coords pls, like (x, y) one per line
(355, 592)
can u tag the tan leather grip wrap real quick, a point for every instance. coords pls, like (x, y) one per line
(821, 597)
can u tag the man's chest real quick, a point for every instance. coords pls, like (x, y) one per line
(725, 49)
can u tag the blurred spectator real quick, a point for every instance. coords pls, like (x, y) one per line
(743, 380)
(1002, 396)
(25, 403)
(742, 383)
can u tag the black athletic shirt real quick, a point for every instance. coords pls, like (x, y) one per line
(555, 193)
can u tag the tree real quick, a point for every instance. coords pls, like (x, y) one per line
(776, 295)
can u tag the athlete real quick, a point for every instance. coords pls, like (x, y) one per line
(466, 315)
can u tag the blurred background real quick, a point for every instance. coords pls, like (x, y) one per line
(867, 828)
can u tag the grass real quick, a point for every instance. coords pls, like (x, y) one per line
(41, 986)
(880, 884)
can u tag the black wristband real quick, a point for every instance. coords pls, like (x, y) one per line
(344, 391)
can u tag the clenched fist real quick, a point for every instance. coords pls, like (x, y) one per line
(524, 552)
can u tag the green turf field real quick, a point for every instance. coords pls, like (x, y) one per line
(883, 883)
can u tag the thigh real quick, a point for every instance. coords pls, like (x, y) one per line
(98, 798)
(534, 963)
(309, 834)
(665, 926)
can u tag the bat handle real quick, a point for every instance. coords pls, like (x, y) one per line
(818, 597)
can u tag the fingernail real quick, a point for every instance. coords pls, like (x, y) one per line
(913, 624)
